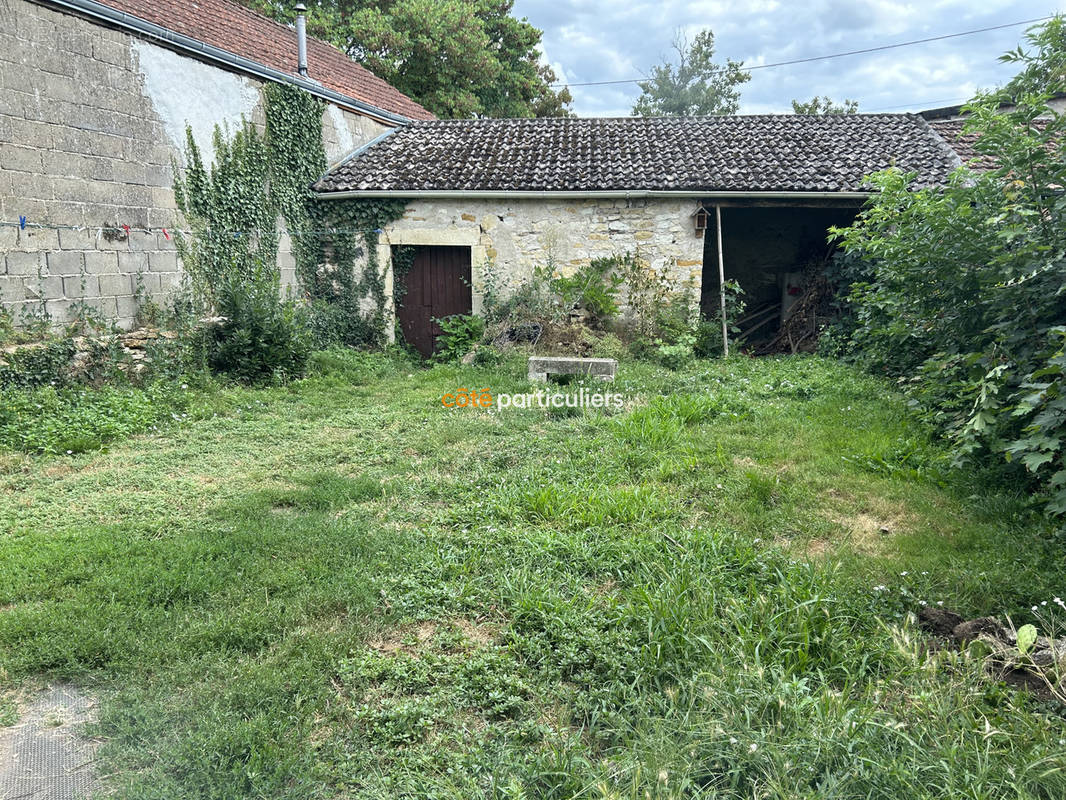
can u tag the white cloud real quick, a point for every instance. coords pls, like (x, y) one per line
(594, 40)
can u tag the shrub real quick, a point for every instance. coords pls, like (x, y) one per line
(460, 333)
(708, 333)
(593, 288)
(963, 299)
(259, 339)
(48, 364)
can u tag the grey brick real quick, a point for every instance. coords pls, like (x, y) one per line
(148, 281)
(126, 307)
(26, 186)
(25, 263)
(20, 158)
(66, 212)
(44, 288)
(107, 306)
(99, 262)
(12, 289)
(78, 286)
(70, 239)
(65, 262)
(163, 261)
(114, 285)
(168, 281)
(130, 172)
(59, 310)
(157, 175)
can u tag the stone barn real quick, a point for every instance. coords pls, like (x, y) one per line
(517, 194)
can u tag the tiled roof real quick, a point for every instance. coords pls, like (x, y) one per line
(238, 30)
(963, 143)
(767, 153)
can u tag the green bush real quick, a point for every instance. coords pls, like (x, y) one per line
(46, 365)
(460, 333)
(593, 288)
(962, 299)
(260, 338)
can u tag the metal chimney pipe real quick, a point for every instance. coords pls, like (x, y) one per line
(301, 39)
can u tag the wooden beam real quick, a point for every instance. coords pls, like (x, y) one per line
(721, 279)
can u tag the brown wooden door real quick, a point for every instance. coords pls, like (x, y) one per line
(436, 285)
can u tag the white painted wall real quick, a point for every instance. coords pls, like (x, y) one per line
(184, 92)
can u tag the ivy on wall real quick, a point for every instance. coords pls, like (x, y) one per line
(233, 208)
(231, 215)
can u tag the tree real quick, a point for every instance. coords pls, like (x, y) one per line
(963, 299)
(458, 58)
(824, 105)
(696, 86)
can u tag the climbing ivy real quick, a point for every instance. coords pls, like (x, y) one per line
(257, 179)
(348, 303)
(231, 214)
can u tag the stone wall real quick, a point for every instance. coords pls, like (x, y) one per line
(91, 120)
(514, 236)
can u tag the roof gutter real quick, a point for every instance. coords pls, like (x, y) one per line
(562, 195)
(204, 51)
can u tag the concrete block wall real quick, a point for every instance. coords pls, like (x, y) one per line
(91, 121)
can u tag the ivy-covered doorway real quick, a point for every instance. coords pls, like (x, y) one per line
(435, 285)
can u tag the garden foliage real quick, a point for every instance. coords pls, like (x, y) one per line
(964, 297)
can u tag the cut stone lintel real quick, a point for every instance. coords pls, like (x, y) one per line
(540, 367)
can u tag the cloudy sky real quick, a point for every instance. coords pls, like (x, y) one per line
(604, 40)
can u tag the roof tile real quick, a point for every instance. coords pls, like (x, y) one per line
(241, 31)
(763, 153)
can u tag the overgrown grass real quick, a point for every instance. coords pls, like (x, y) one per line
(341, 588)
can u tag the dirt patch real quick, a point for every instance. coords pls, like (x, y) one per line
(949, 630)
(868, 528)
(412, 640)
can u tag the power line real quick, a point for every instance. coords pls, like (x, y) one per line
(950, 101)
(838, 55)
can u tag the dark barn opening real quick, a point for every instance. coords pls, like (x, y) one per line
(771, 251)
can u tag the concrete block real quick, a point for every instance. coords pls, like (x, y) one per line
(131, 172)
(70, 239)
(66, 212)
(114, 285)
(21, 158)
(79, 286)
(147, 281)
(107, 306)
(71, 189)
(169, 281)
(540, 367)
(131, 263)
(126, 307)
(65, 262)
(12, 289)
(25, 264)
(59, 310)
(163, 261)
(44, 288)
(159, 175)
(33, 239)
(100, 262)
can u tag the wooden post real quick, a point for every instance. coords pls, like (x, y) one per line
(721, 278)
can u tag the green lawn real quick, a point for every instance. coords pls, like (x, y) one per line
(340, 588)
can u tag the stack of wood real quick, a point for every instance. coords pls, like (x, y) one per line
(803, 322)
